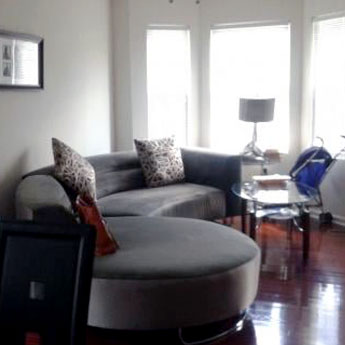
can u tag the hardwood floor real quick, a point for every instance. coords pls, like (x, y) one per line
(297, 304)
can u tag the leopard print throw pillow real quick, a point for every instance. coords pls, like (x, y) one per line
(161, 161)
(73, 170)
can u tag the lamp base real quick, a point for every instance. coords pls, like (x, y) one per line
(251, 150)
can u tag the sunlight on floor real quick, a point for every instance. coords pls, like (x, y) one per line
(270, 333)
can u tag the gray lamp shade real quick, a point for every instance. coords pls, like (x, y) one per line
(256, 110)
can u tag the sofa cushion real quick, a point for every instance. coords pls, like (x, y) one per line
(172, 273)
(180, 200)
(161, 161)
(73, 170)
(158, 248)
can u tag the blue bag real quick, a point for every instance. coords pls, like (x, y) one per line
(311, 166)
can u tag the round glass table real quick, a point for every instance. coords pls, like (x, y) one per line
(280, 201)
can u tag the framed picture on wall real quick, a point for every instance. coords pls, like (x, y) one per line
(21, 60)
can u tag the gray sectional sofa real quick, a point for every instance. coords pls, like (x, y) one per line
(121, 190)
(170, 272)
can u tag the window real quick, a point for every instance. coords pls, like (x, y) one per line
(329, 81)
(249, 62)
(168, 83)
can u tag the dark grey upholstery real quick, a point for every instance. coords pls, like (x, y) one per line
(42, 197)
(115, 172)
(214, 169)
(171, 248)
(172, 272)
(169, 272)
(121, 188)
(178, 200)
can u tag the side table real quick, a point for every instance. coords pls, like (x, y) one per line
(284, 202)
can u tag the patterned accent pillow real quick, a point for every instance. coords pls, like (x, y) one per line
(161, 161)
(73, 170)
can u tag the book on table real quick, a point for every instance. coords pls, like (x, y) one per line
(275, 180)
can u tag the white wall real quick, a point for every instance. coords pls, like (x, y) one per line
(242, 11)
(122, 76)
(75, 104)
(131, 101)
(333, 185)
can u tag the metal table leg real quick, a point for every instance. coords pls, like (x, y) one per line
(253, 223)
(305, 223)
(244, 215)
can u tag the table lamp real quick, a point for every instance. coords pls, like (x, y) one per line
(255, 110)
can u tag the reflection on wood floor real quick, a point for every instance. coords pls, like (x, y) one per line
(297, 304)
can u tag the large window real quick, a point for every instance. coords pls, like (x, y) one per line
(329, 81)
(249, 62)
(168, 83)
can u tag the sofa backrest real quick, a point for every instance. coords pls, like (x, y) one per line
(115, 172)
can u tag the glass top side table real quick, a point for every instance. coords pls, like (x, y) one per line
(286, 201)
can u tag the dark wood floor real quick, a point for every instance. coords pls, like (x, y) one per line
(297, 304)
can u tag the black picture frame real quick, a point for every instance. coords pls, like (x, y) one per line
(45, 282)
(21, 61)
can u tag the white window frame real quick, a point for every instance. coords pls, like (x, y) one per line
(250, 24)
(188, 106)
(315, 21)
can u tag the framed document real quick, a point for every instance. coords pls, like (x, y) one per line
(21, 61)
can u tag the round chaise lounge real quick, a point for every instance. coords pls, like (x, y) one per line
(172, 273)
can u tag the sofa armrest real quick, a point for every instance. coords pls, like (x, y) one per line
(42, 194)
(206, 167)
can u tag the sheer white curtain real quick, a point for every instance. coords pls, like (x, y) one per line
(168, 83)
(249, 62)
(329, 82)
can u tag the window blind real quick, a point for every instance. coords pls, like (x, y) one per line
(249, 62)
(168, 83)
(329, 81)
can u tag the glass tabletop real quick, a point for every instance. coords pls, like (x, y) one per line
(288, 194)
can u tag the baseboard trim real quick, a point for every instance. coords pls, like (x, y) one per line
(338, 220)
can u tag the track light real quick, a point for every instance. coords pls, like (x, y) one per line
(197, 2)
